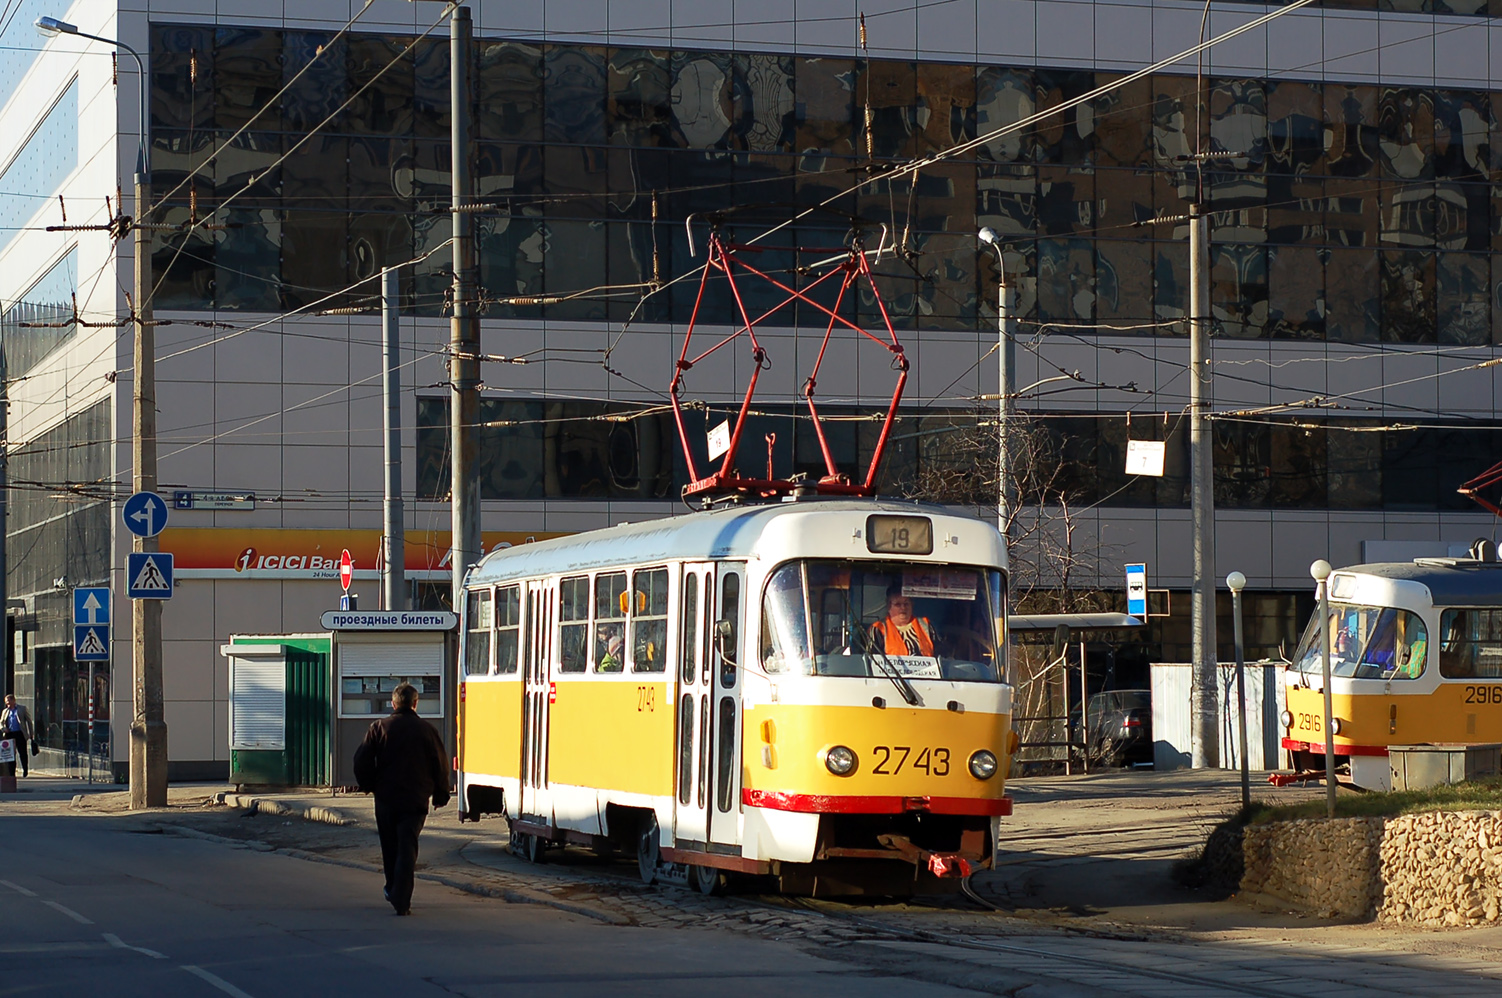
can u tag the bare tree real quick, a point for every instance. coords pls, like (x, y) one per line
(956, 464)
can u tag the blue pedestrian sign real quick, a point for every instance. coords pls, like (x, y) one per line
(1136, 580)
(148, 575)
(91, 644)
(145, 514)
(91, 624)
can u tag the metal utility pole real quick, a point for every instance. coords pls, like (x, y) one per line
(393, 537)
(1006, 350)
(1321, 570)
(1205, 741)
(464, 334)
(1236, 582)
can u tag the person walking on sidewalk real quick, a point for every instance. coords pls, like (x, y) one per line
(401, 761)
(15, 724)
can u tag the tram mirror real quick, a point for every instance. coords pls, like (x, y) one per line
(1060, 642)
(724, 631)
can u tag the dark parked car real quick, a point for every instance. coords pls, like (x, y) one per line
(1121, 727)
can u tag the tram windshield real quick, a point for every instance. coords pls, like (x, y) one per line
(1367, 642)
(903, 621)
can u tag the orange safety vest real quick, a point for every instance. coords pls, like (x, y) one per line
(891, 636)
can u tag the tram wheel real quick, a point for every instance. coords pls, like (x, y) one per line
(648, 849)
(536, 849)
(708, 880)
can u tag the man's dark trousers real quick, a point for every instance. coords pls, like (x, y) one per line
(398, 830)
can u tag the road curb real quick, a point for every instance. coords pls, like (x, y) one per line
(268, 805)
(511, 895)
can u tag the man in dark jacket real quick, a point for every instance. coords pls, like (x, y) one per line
(402, 762)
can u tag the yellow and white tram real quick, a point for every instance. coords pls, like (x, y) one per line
(724, 692)
(1415, 658)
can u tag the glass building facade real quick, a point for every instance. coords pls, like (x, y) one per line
(1350, 213)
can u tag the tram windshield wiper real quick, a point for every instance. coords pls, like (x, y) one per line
(904, 686)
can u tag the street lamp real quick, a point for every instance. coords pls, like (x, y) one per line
(1321, 571)
(148, 729)
(1236, 582)
(1006, 369)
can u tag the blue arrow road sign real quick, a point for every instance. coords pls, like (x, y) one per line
(91, 605)
(145, 514)
(148, 575)
(91, 643)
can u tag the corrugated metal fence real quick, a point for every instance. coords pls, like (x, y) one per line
(1264, 702)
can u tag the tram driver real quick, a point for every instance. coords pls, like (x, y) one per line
(901, 632)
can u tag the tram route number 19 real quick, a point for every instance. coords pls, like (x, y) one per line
(891, 758)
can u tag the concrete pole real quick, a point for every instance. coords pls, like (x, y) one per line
(1006, 383)
(1206, 741)
(1237, 582)
(148, 728)
(464, 335)
(394, 538)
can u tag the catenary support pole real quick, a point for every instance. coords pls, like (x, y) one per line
(1205, 741)
(464, 338)
(148, 728)
(393, 536)
(1006, 368)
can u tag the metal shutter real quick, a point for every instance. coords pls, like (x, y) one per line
(258, 701)
(391, 660)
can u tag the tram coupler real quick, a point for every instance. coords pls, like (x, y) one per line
(944, 865)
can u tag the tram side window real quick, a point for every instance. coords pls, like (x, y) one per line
(508, 628)
(1470, 644)
(730, 611)
(649, 620)
(1397, 647)
(573, 624)
(690, 627)
(477, 623)
(610, 622)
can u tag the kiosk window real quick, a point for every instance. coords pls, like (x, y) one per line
(610, 622)
(368, 674)
(649, 621)
(508, 621)
(573, 629)
(478, 617)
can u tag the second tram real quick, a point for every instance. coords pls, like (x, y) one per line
(1415, 658)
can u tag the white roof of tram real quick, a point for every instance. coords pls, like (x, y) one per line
(731, 532)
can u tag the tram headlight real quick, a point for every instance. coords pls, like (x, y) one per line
(840, 760)
(1286, 718)
(983, 765)
(1334, 725)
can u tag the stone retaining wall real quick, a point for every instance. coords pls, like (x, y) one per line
(1436, 868)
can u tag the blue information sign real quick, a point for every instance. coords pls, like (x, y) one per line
(1136, 580)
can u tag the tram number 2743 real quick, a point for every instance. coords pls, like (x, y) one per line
(891, 759)
(1483, 694)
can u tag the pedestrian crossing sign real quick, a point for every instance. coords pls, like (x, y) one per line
(91, 643)
(148, 575)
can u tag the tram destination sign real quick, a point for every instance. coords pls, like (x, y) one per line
(390, 620)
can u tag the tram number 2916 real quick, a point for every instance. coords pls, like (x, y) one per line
(1309, 722)
(1483, 694)
(890, 759)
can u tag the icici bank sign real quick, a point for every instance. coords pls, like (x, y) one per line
(220, 553)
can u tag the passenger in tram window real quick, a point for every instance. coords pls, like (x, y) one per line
(1413, 646)
(902, 633)
(610, 648)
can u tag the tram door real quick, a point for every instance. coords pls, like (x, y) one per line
(728, 645)
(696, 617)
(536, 803)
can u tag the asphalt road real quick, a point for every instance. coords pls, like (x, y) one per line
(100, 906)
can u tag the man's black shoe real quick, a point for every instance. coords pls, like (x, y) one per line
(386, 893)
